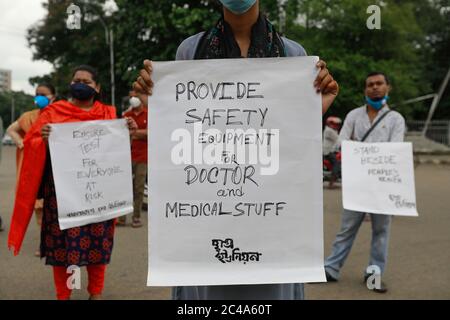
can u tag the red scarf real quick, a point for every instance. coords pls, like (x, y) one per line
(34, 161)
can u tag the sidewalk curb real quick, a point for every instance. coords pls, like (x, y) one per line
(433, 161)
(425, 152)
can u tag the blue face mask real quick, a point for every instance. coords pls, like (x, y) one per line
(81, 91)
(238, 6)
(377, 104)
(41, 101)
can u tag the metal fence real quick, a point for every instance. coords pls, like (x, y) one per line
(438, 130)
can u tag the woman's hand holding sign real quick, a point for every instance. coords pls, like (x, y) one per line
(131, 124)
(325, 84)
(144, 83)
(45, 132)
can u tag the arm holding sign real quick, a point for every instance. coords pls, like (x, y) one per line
(140, 134)
(144, 83)
(132, 125)
(45, 132)
(324, 83)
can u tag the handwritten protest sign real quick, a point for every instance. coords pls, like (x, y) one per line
(91, 165)
(378, 178)
(235, 172)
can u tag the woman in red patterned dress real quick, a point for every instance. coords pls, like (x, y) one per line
(89, 245)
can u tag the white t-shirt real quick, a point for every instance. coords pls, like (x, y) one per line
(330, 140)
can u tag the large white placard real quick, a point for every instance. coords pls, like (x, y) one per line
(378, 178)
(91, 164)
(235, 182)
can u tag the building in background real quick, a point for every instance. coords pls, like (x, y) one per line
(5, 80)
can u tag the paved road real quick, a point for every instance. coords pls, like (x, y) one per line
(418, 266)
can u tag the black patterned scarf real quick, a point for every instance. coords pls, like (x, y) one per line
(219, 42)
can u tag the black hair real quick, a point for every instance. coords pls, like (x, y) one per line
(48, 86)
(377, 73)
(88, 68)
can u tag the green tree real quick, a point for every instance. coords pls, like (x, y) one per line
(411, 47)
(22, 102)
(151, 31)
(434, 17)
(65, 49)
(336, 31)
(154, 32)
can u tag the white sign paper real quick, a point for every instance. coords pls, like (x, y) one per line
(235, 183)
(378, 178)
(91, 164)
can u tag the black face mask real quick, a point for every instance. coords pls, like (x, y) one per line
(81, 91)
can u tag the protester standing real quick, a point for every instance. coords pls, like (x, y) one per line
(139, 114)
(90, 245)
(373, 122)
(242, 32)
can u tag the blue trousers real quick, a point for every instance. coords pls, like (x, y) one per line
(351, 221)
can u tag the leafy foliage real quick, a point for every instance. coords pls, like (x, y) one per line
(411, 47)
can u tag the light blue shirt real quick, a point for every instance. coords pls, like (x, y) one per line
(186, 50)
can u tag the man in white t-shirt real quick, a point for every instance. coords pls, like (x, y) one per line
(330, 146)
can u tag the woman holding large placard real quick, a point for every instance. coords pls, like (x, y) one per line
(89, 245)
(242, 32)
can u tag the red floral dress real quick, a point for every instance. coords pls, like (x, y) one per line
(85, 245)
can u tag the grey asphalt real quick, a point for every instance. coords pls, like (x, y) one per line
(418, 266)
